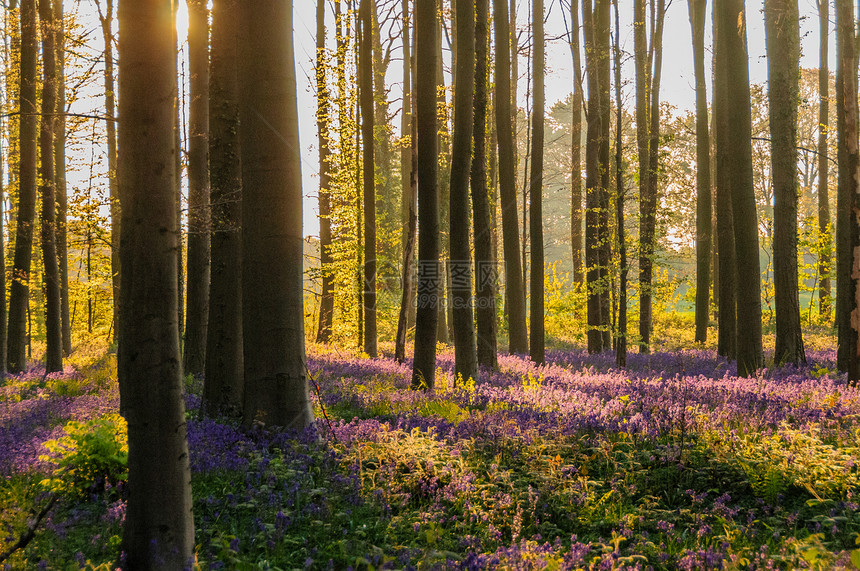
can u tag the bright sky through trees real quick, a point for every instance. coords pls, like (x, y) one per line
(677, 85)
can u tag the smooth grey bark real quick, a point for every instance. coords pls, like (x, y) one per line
(60, 177)
(159, 523)
(276, 383)
(514, 294)
(19, 291)
(48, 194)
(199, 244)
(460, 267)
(704, 230)
(783, 60)
(366, 101)
(428, 288)
(223, 386)
(576, 148)
(537, 342)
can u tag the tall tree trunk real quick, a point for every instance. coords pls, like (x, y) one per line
(537, 342)
(19, 297)
(849, 161)
(197, 298)
(276, 383)
(224, 368)
(365, 90)
(424, 362)
(739, 166)
(47, 191)
(576, 149)
(444, 175)
(516, 303)
(485, 275)
(824, 227)
(726, 287)
(604, 215)
(460, 268)
(60, 176)
(643, 141)
(703, 173)
(106, 20)
(326, 311)
(783, 61)
(410, 194)
(159, 523)
(177, 133)
(621, 330)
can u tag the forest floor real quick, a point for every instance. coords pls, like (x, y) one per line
(674, 463)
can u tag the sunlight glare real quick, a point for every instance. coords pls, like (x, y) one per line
(182, 22)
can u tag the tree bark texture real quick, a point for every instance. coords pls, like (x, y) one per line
(515, 296)
(60, 177)
(365, 91)
(48, 193)
(537, 335)
(576, 148)
(276, 383)
(783, 60)
(429, 275)
(159, 523)
(19, 292)
(704, 232)
(199, 240)
(825, 230)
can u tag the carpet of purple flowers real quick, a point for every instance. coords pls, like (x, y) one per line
(674, 463)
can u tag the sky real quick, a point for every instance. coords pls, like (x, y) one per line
(677, 83)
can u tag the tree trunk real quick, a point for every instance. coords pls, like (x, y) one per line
(197, 298)
(444, 175)
(576, 149)
(223, 379)
(460, 268)
(424, 362)
(47, 192)
(365, 90)
(106, 20)
(60, 176)
(703, 174)
(159, 523)
(643, 141)
(849, 162)
(485, 275)
(739, 170)
(537, 342)
(621, 330)
(19, 296)
(516, 304)
(410, 194)
(326, 311)
(726, 288)
(783, 60)
(276, 384)
(825, 240)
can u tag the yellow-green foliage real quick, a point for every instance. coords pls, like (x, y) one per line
(91, 453)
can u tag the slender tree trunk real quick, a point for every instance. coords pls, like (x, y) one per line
(410, 194)
(485, 275)
(576, 149)
(365, 89)
(47, 192)
(106, 20)
(60, 175)
(177, 128)
(224, 368)
(460, 268)
(739, 166)
(643, 141)
(516, 304)
(783, 60)
(276, 384)
(849, 161)
(604, 214)
(621, 330)
(159, 523)
(326, 312)
(726, 288)
(19, 297)
(536, 290)
(197, 309)
(697, 10)
(824, 227)
(444, 175)
(424, 363)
